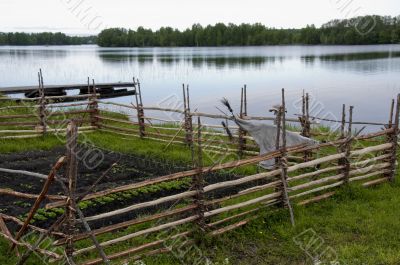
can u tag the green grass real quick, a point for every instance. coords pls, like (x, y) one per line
(359, 225)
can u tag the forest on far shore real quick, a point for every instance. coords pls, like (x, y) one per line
(45, 38)
(359, 30)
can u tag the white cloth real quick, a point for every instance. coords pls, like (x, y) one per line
(265, 137)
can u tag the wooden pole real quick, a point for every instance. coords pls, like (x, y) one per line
(308, 116)
(347, 148)
(42, 104)
(390, 124)
(137, 107)
(394, 139)
(342, 148)
(343, 124)
(189, 116)
(141, 110)
(72, 172)
(85, 223)
(199, 181)
(283, 160)
(185, 112)
(245, 100)
(240, 131)
(94, 106)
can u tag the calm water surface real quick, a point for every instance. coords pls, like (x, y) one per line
(364, 76)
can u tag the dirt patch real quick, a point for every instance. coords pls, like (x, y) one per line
(130, 169)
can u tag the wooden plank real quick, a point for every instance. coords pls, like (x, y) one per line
(138, 233)
(317, 198)
(11, 192)
(126, 224)
(375, 182)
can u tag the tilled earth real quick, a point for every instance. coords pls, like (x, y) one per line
(93, 163)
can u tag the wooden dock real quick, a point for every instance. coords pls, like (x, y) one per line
(27, 89)
(104, 90)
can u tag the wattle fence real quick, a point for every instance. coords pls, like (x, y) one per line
(206, 209)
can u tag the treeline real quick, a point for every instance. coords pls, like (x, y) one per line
(46, 38)
(360, 30)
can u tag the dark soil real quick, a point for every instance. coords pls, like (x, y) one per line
(130, 169)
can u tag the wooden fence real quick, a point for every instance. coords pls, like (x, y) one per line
(206, 209)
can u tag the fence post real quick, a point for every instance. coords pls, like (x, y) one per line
(42, 104)
(187, 116)
(72, 172)
(283, 161)
(199, 181)
(94, 106)
(305, 122)
(241, 132)
(341, 148)
(347, 148)
(139, 107)
(394, 138)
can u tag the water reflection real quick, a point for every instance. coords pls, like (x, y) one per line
(195, 61)
(23, 53)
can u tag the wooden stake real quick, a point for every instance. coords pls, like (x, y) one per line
(187, 117)
(72, 172)
(42, 104)
(394, 139)
(199, 182)
(190, 120)
(343, 124)
(139, 108)
(94, 107)
(347, 148)
(389, 137)
(241, 131)
(283, 160)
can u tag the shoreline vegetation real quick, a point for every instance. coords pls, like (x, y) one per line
(363, 30)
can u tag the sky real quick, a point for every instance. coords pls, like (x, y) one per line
(91, 16)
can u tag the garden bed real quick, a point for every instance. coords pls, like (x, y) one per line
(130, 168)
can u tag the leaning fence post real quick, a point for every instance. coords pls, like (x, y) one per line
(199, 181)
(42, 104)
(283, 161)
(72, 172)
(347, 148)
(139, 107)
(394, 139)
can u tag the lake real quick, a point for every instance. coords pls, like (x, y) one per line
(364, 76)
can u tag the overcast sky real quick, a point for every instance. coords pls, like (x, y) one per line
(90, 16)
